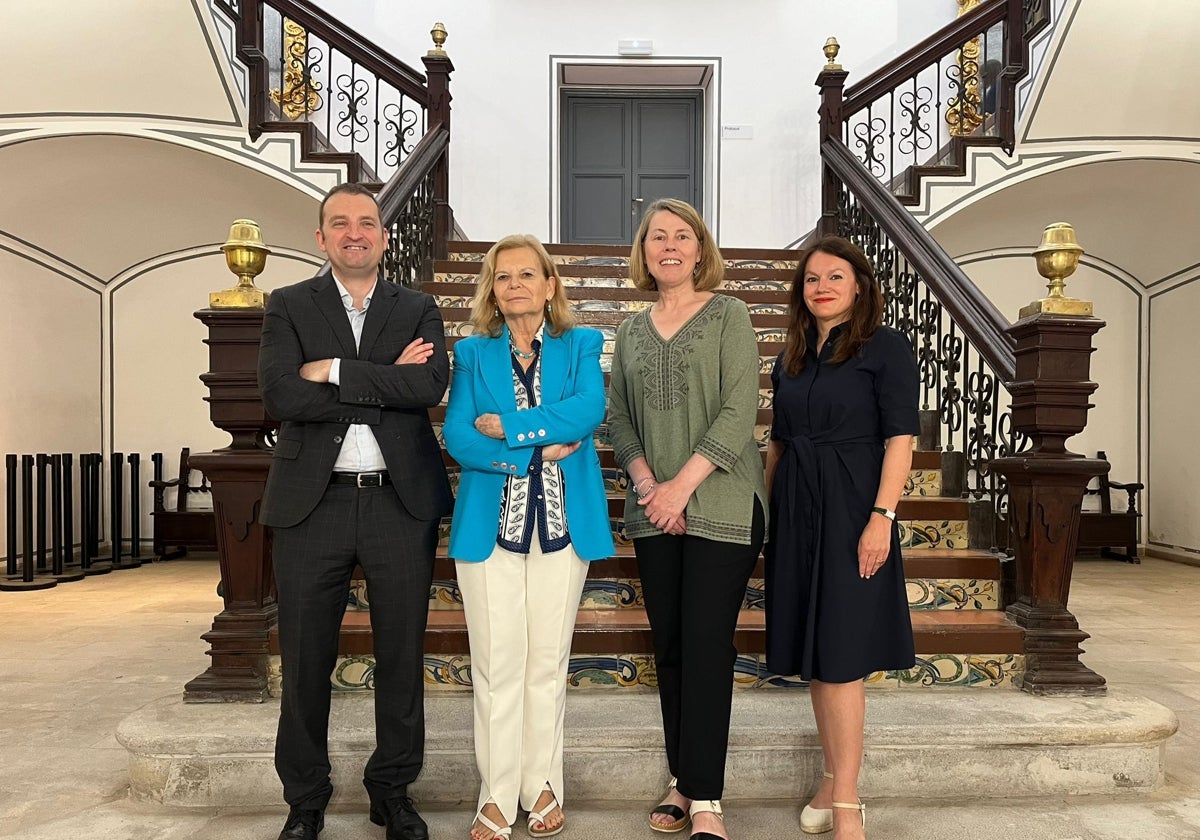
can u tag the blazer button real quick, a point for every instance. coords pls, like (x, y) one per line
(337, 438)
(504, 465)
(495, 463)
(521, 436)
(541, 432)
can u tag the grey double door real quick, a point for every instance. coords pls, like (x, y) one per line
(619, 154)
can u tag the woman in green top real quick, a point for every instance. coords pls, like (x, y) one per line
(682, 404)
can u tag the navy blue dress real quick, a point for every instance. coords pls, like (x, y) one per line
(824, 622)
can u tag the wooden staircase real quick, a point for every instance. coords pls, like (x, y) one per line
(955, 587)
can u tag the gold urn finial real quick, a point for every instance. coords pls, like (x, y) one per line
(439, 38)
(246, 257)
(1057, 258)
(831, 49)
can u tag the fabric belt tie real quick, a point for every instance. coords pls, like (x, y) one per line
(366, 479)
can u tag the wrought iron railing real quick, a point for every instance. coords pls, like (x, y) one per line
(877, 138)
(964, 356)
(355, 104)
(957, 88)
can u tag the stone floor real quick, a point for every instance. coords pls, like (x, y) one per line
(76, 660)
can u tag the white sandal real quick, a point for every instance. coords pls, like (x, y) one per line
(540, 817)
(854, 806)
(817, 820)
(700, 806)
(498, 833)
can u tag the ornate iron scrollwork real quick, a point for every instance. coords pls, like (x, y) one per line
(400, 125)
(408, 259)
(352, 122)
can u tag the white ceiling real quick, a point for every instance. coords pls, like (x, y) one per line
(1139, 215)
(1123, 70)
(112, 58)
(106, 202)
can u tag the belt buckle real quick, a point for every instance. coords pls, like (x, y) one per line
(368, 480)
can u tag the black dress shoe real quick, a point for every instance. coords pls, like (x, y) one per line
(303, 824)
(401, 818)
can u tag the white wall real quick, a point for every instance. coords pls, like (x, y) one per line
(770, 55)
(1172, 519)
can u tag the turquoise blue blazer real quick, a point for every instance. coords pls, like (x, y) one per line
(572, 406)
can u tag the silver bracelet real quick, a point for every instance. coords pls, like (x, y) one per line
(637, 492)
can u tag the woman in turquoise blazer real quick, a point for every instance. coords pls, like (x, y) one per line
(531, 511)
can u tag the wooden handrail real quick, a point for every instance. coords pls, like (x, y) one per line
(416, 167)
(348, 42)
(884, 80)
(975, 315)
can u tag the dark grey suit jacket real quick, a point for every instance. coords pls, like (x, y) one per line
(307, 322)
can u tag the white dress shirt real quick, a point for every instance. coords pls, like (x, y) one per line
(360, 452)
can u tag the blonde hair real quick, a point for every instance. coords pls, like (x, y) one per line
(710, 266)
(485, 314)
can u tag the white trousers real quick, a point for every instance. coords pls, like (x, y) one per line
(520, 611)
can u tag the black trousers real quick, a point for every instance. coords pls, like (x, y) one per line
(694, 588)
(314, 562)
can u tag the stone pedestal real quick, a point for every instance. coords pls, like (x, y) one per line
(1045, 486)
(237, 475)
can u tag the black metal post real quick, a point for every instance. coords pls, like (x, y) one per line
(27, 582)
(57, 568)
(135, 507)
(10, 518)
(68, 508)
(116, 490)
(90, 466)
(42, 461)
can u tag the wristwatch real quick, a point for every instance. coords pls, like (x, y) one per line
(882, 511)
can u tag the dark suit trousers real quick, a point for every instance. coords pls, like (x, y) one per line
(694, 589)
(314, 562)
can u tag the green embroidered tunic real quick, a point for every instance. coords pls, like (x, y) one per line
(696, 392)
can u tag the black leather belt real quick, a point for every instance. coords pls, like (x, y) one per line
(369, 479)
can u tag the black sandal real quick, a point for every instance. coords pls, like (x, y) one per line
(680, 818)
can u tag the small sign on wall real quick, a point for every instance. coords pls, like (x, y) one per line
(737, 132)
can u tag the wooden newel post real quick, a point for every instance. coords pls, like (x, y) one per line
(237, 475)
(1050, 402)
(438, 68)
(831, 81)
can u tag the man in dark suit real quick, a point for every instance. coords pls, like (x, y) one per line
(349, 365)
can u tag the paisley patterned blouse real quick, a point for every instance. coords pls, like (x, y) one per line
(536, 498)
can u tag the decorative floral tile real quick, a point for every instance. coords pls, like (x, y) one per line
(611, 594)
(994, 670)
(615, 479)
(614, 671)
(919, 533)
(923, 483)
(936, 669)
(467, 256)
(768, 308)
(765, 363)
(452, 672)
(445, 595)
(952, 594)
(756, 595)
(771, 333)
(455, 277)
(775, 264)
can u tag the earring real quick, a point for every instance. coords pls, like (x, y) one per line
(696, 270)
(496, 312)
(549, 308)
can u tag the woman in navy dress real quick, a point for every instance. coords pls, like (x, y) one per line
(841, 447)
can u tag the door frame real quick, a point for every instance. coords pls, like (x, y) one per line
(645, 79)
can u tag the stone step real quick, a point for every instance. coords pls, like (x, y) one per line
(937, 579)
(963, 746)
(568, 253)
(615, 648)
